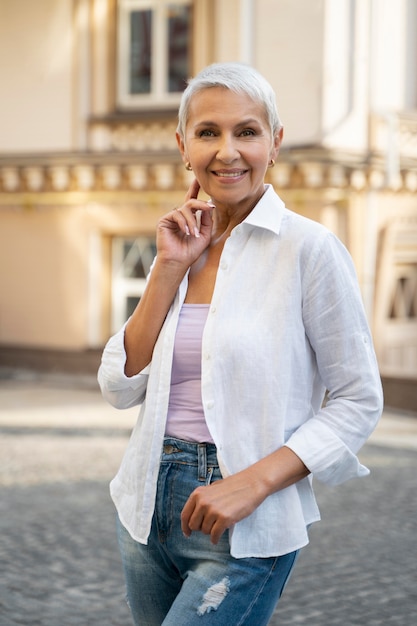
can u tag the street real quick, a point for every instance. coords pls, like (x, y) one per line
(61, 444)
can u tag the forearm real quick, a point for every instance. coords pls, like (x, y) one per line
(144, 326)
(216, 507)
(177, 250)
(277, 471)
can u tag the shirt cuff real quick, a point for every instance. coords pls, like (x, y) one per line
(120, 390)
(325, 454)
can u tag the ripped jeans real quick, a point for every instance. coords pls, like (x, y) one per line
(175, 581)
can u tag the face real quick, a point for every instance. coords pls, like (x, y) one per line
(229, 145)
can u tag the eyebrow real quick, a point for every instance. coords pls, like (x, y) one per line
(246, 122)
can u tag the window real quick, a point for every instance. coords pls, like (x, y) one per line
(131, 261)
(154, 52)
(395, 310)
(403, 302)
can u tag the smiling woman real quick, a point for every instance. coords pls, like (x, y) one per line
(229, 145)
(250, 313)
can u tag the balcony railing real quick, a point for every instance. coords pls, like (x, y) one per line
(125, 155)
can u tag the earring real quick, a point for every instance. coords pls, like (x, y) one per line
(188, 166)
(271, 163)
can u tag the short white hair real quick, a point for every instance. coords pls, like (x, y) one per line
(238, 77)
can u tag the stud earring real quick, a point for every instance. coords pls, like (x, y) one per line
(188, 166)
(271, 163)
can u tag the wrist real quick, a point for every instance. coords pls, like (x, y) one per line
(170, 267)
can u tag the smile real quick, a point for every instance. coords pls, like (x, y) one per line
(229, 174)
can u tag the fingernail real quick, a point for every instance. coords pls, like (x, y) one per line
(211, 204)
(187, 230)
(196, 233)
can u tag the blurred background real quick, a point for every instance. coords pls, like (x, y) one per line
(89, 91)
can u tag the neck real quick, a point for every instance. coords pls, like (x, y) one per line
(226, 217)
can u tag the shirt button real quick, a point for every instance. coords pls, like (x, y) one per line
(223, 265)
(210, 405)
(213, 309)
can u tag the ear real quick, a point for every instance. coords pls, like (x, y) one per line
(181, 147)
(277, 143)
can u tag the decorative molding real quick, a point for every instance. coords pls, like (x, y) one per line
(394, 133)
(131, 154)
(137, 174)
(131, 136)
(135, 154)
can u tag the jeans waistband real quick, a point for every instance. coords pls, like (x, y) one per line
(201, 455)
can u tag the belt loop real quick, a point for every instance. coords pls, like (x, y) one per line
(202, 461)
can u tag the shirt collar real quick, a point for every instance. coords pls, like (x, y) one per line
(268, 212)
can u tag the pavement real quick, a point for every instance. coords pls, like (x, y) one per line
(60, 445)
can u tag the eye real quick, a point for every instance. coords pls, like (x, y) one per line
(206, 132)
(247, 132)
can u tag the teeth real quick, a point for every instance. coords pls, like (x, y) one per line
(229, 174)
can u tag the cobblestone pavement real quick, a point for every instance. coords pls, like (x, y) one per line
(60, 444)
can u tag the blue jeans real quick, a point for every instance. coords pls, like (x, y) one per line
(177, 581)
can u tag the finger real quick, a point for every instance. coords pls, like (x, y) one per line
(193, 211)
(207, 524)
(193, 190)
(181, 221)
(206, 216)
(216, 532)
(186, 515)
(190, 220)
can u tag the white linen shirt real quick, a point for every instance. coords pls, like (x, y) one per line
(286, 323)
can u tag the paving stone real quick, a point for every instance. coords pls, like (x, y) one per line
(59, 561)
(360, 566)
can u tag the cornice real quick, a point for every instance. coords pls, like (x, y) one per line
(306, 167)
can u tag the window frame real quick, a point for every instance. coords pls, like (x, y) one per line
(124, 287)
(159, 97)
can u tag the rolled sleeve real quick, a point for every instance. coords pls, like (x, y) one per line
(329, 441)
(327, 457)
(119, 390)
(338, 332)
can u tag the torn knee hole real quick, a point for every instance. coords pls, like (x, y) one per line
(214, 596)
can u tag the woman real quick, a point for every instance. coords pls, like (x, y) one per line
(250, 313)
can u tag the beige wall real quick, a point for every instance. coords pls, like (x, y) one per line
(256, 32)
(288, 50)
(35, 86)
(57, 278)
(57, 66)
(54, 65)
(54, 279)
(42, 256)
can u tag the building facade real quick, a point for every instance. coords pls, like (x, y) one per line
(88, 156)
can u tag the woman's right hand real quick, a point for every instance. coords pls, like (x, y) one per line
(184, 233)
(179, 243)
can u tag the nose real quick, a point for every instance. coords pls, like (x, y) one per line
(227, 151)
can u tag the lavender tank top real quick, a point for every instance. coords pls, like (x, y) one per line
(185, 418)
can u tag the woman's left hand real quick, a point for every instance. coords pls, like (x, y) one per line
(214, 508)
